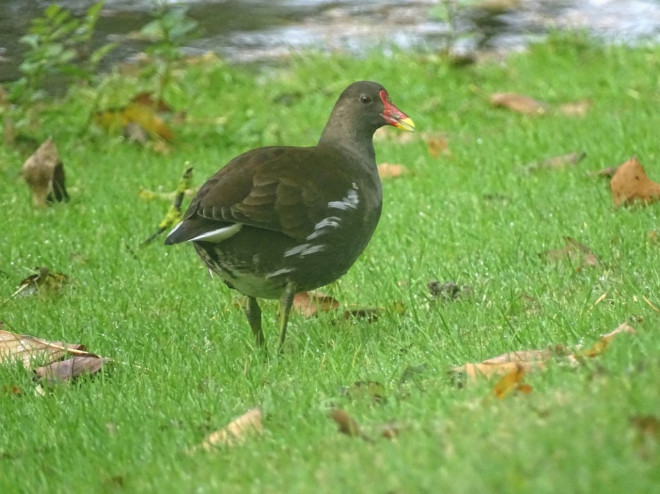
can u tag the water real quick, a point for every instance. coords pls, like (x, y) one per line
(267, 30)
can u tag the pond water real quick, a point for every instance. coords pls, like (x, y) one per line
(267, 30)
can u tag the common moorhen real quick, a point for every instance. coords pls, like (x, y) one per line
(278, 220)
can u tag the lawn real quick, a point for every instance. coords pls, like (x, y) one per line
(184, 363)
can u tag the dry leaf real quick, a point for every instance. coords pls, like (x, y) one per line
(371, 390)
(630, 183)
(310, 303)
(608, 172)
(390, 170)
(29, 349)
(519, 103)
(236, 431)
(528, 360)
(71, 368)
(506, 364)
(509, 382)
(448, 290)
(346, 424)
(573, 250)
(575, 108)
(44, 279)
(146, 98)
(556, 162)
(44, 174)
(135, 120)
(437, 145)
(647, 428)
(390, 430)
(604, 341)
(370, 314)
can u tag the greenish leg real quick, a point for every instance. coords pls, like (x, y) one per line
(253, 314)
(286, 301)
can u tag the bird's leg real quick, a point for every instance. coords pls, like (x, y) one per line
(253, 314)
(286, 301)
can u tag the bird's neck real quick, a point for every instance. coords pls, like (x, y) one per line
(342, 135)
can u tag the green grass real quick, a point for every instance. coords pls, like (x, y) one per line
(188, 366)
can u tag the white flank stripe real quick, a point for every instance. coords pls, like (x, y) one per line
(323, 226)
(349, 202)
(304, 249)
(218, 235)
(279, 272)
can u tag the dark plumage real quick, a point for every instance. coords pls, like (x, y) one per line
(278, 220)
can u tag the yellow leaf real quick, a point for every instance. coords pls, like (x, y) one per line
(236, 431)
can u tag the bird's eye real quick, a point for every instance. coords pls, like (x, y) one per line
(365, 99)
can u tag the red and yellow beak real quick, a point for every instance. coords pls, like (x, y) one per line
(394, 116)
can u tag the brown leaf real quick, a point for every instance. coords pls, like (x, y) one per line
(506, 364)
(371, 390)
(647, 428)
(519, 103)
(310, 303)
(630, 183)
(575, 108)
(346, 424)
(573, 250)
(527, 360)
(437, 145)
(135, 120)
(71, 368)
(606, 172)
(604, 341)
(236, 431)
(390, 170)
(448, 290)
(370, 314)
(29, 349)
(390, 430)
(556, 162)
(509, 382)
(44, 174)
(146, 98)
(44, 279)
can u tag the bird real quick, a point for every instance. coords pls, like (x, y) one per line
(278, 220)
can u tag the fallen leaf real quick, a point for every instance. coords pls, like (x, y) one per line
(371, 390)
(310, 303)
(506, 364)
(599, 347)
(608, 172)
(146, 98)
(370, 314)
(437, 145)
(574, 251)
(136, 120)
(556, 162)
(575, 108)
(69, 369)
(346, 424)
(509, 382)
(44, 174)
(519, 103)
(29, 349)
(44, 279)
(630, 184)
(390, 430)
(390, 170)
(528, 360)
(235, 432)
(448, 290)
